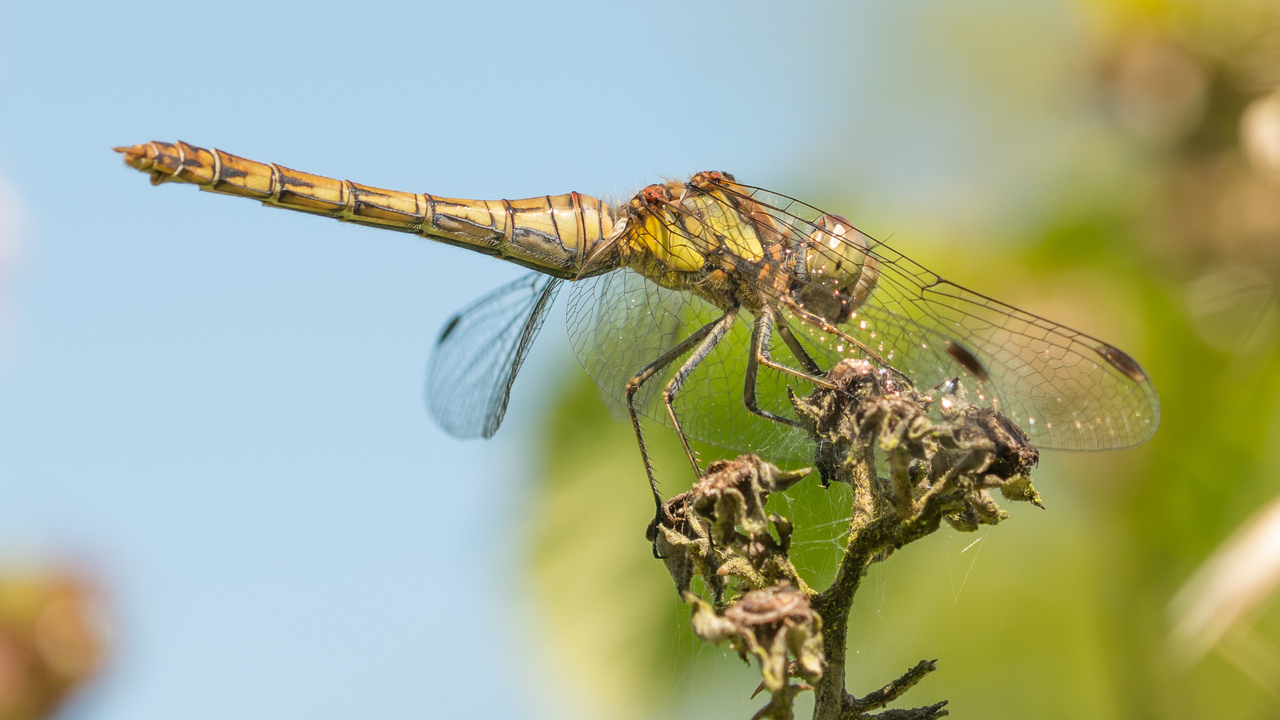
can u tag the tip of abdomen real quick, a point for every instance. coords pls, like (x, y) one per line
(139, 157)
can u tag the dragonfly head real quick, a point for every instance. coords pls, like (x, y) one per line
(838, 274)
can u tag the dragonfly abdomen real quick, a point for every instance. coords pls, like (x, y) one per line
(554, 234)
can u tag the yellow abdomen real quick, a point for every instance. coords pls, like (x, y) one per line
(554, 234)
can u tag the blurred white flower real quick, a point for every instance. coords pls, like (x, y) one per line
(1211, 608)
(1260, 134)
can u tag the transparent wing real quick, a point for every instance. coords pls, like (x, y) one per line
(479, 352)
(621, 322)
(1068, 390)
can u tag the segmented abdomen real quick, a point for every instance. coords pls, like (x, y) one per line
(554, 234)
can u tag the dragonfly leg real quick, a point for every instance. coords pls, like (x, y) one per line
(827, 327)
(640, 378)
(716, 333)
(793, 344)
(854, 343)
(811, 374)
(761, 333)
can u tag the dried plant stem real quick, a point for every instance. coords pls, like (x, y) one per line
(942, 460)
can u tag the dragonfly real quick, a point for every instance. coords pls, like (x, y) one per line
(702, 303)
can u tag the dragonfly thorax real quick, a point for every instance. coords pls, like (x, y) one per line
(834, 274)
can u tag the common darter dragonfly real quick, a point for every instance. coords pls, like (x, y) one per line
(698, 303)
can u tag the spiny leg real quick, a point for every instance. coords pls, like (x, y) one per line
(793, 344)
(811, 374)
(640, 378)
(718, 329)
(761, 333)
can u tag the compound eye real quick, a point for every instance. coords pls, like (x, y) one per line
(831, 230)
(838, 274)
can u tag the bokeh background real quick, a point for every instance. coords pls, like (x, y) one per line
(220, 494)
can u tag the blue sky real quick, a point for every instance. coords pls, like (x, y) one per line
(218, 406)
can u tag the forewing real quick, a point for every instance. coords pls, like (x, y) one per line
(1068, 390)
(479, 352)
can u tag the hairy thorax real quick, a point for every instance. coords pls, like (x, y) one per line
(707, 236)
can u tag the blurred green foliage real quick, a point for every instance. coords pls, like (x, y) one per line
(1164, 238)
